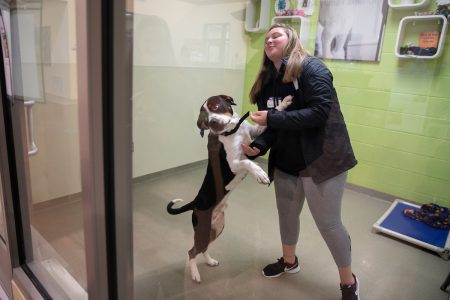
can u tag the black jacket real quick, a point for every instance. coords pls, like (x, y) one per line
(309, 138)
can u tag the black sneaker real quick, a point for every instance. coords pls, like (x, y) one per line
(280, 267)
(351, 292)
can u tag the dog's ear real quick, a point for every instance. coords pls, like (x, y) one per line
(228, 99)
(202, 121)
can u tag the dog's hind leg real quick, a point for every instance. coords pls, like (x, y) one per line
(195, 274)
(201, 220)
(209, 260)
(192, 262)
(217, 225)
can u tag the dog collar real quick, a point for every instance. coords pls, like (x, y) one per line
(237, 125)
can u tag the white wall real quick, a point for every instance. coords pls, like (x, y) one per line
(55, 169)
(180, 59)
(184, 52)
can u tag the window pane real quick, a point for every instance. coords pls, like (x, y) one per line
(44, 76)
(2, 214)
(184, 52)
(396, 109)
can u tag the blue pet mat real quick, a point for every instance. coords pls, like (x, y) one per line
(394, 223)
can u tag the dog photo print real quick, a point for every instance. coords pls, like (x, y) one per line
(351, 29)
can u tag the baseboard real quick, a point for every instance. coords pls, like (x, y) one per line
(194, 165)
(370, 192)
(171, 171)
(64, 200)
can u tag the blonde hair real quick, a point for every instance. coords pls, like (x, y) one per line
(297, 54)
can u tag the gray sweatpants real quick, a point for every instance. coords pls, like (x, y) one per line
(324, 201)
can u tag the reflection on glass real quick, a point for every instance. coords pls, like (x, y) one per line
(44, 31)
(2, 214)
(4, 19)
(183, 52)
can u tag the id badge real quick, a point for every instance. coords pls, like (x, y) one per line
(278, 101)
(270, 103)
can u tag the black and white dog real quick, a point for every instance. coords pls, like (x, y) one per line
(227, 166)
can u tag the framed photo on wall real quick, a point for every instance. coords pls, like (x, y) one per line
(351, 29)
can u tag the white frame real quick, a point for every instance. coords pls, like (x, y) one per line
(410, 19)
(376, 227)
(395, 5)
(91, 77)
(251, 23)
(303, 31)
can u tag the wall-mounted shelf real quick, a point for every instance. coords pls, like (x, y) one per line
(303, 26)
(252, 22)
(397, 4)
(410, 28)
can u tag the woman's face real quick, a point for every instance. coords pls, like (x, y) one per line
(275, 42)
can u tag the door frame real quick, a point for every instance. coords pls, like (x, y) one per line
(5, 256)
(104, 55)
(104, 67)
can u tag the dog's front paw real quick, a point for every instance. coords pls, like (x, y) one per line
(285, 103)
(235, 181)
(229, 187)
(262, 177)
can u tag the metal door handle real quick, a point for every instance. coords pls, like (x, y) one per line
(32, 148)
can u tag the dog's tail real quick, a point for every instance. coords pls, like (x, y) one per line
(176, 211)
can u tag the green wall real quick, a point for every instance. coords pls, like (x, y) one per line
(397, 112)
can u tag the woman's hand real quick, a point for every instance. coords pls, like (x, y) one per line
(259, 117)
(250, 151)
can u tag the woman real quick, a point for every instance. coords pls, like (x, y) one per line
(310, 149)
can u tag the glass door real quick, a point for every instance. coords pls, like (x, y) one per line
(5, 94)
(66, 106)
(43, 105)
(5, 263)
(184, 52)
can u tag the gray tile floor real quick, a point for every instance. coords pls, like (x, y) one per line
(388, 268)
